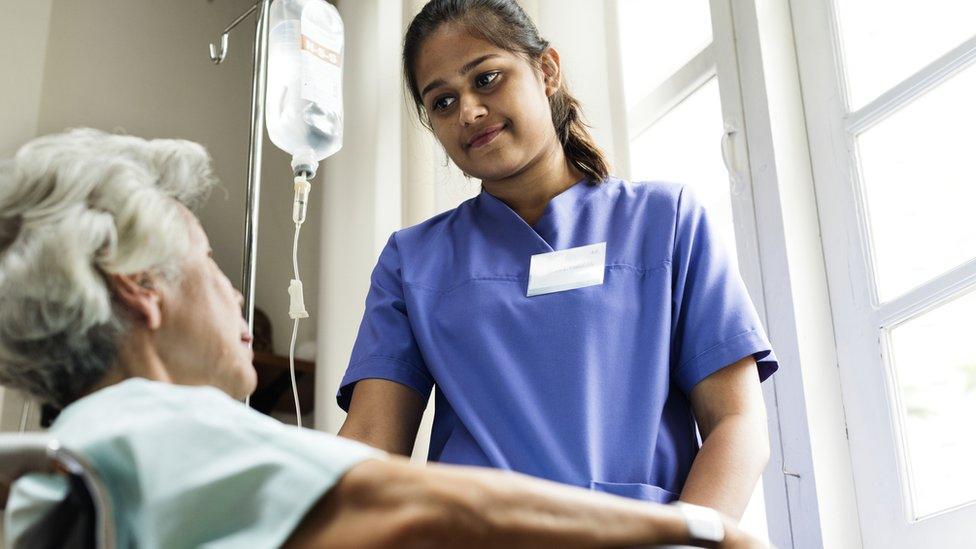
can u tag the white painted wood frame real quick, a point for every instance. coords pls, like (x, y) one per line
(790, 490)
(809, 488)
(868, 383)
(788, 305)
(670, 93)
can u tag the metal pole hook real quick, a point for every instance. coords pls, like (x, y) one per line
(218, 55)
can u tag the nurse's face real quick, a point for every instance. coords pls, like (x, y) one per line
(488, 107)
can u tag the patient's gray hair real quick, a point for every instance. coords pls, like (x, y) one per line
(75, 207)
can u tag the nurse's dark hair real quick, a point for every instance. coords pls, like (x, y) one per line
(506, 25)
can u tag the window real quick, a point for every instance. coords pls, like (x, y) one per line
(678, 70)
(674, 112)
(889, 89)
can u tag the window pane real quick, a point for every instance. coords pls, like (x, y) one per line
(657, 37)
(886, 41)
(919, 175)
(935, 362)
(684, 146)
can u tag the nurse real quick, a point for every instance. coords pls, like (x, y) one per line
(575, 326)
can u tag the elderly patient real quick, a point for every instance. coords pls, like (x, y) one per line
(112, 308)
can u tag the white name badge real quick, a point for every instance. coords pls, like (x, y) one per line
(567, 269)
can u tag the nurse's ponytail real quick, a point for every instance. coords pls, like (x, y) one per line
(506, 25)
(578, 145)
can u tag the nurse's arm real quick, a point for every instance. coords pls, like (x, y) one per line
(385, 415)
(393, 503)
(731, 417)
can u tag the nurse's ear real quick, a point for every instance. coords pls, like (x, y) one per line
(551, 72)
(139, 294)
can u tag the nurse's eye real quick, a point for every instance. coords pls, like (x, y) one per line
(442, 103)
(486, 79)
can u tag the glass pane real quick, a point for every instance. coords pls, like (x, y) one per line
(919, 175)
(886, 41)
(657, 37)
(684, 146)
(934, 356)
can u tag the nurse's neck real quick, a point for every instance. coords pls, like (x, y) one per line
(529, 191)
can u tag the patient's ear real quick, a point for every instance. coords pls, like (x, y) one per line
(139, 294)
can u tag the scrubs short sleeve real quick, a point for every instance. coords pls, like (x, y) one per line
(386, 347)
(714, 322)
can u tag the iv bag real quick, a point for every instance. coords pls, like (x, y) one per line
(303, 103)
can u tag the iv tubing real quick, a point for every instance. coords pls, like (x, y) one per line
(294, 333)
(297, 306)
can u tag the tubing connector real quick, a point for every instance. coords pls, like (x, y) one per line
(296, 308)
(300, 207)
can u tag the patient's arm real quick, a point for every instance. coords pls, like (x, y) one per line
(384, 415)
(392, 503)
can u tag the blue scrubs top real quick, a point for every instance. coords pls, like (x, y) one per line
(589, 386)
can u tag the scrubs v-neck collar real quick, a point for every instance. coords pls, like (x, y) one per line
(559, 214)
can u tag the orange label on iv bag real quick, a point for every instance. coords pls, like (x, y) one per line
(320, 51)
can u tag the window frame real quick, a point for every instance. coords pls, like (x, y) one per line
(861, 321)
(734, 56)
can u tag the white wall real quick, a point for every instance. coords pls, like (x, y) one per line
(579, 35)
(400, 171)
(361, 206)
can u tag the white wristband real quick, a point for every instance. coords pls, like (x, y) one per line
(704, 524)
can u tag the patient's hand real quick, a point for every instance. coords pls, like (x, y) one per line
(393, 503)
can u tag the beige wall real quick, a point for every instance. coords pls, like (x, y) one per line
(141, 67)
(23, 42)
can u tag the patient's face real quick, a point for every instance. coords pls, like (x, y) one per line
(203, 338)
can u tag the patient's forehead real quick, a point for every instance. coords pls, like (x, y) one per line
(198, 237)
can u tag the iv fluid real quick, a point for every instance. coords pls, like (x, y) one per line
(304, 94)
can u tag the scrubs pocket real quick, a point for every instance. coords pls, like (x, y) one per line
(645, 492)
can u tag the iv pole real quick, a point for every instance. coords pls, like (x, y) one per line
(256, 142)
(255, 145)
